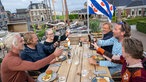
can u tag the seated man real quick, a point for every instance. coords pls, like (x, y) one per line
(132, 60)
(107, 34)
(120, 31)
(51, 39)
(35, 51)
(13, 68)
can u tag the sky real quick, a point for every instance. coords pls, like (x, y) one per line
(12, 5)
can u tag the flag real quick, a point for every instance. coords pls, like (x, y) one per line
(101, 7)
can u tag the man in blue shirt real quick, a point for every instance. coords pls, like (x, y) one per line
(120, 31)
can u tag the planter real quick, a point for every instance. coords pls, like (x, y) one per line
(97, 35)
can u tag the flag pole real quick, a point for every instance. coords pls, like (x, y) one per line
(88, 16)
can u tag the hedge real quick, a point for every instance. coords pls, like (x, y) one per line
(141, 26)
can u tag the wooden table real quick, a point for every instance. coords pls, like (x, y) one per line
(73, 71)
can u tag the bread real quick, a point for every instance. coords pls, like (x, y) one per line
(101, 80)
(49, 72)
(47, 76)
(65, 45)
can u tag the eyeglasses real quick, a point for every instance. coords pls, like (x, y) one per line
(123, 25)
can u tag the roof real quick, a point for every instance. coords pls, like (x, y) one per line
(1, 5)
(135, 3)
(119, 2)
(128, 3)
(36, 5)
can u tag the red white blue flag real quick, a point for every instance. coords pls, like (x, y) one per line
(101, 7)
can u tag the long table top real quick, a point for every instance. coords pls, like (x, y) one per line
(77, 68)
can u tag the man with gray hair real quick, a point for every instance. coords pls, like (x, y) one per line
(13, 68)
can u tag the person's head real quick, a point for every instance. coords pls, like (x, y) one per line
(122, 29)
(132, 48)
(30, 38)
(14, 41)
(49, 34)
(106, 27)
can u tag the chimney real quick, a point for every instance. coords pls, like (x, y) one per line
(30, 2)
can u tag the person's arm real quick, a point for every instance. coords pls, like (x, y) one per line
(107, 42)
(109, 56)
(49, 49)
(22, 65)
(18, 64)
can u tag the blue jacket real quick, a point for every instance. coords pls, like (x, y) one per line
(40, 52)
(105, 37)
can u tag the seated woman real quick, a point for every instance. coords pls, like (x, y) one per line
(53, 39)
(132, 60)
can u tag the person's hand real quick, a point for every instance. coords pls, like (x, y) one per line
(53, 61)
(55, 44)
(92, 61)
(116, 57)
(58, 52)
(95, 45)
(67, 32)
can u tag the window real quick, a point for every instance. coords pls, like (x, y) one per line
(0, 23)
(132, 12)
(139, 12)
(40, 6)
(33, 7)
(5, 22)
(145, 12)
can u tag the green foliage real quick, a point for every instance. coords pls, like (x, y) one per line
(34, 26)
(114, 19)
(94, 25)
(141, 26)
(73, 16)
(60, 17)
(40, 33)
(133, 21)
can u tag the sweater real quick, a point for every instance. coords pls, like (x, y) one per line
(13, 68)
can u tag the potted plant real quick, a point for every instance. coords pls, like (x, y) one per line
(94, 27)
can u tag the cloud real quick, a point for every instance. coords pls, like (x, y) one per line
(15, 4)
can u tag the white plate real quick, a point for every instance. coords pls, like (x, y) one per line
(54, 75)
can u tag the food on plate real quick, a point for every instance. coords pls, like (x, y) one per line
(94, 57)
(65, 45)
(100, 58)
(48, 75)
(97, 57)
(101, 80)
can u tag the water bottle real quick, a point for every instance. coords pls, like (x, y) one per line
(80, 43)
(59, 40)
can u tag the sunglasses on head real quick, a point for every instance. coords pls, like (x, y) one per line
(123, 25)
